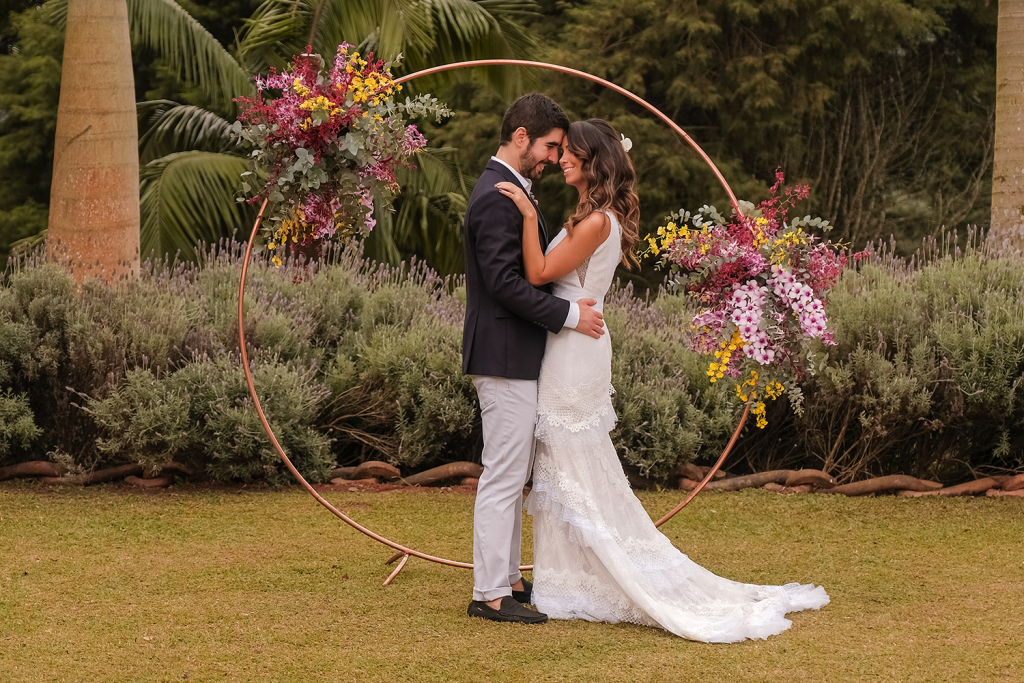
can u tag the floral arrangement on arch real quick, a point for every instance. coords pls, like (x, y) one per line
(326, 144)
(762, 283)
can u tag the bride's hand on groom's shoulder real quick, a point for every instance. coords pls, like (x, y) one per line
(519, 196)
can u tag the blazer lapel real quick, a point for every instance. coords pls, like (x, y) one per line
(543, 232)
(502, 170)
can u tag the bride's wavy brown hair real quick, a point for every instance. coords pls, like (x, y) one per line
(611, 181)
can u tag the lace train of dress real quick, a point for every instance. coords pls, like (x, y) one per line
(597, 554)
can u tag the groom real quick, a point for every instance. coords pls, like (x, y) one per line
(507, 321)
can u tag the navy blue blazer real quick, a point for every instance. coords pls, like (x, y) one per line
(507, 318)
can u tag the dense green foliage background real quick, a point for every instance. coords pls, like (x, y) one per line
(885, 107)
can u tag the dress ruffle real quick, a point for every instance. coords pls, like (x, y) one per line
(598, 557)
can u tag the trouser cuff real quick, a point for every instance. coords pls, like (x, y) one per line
(492, 594)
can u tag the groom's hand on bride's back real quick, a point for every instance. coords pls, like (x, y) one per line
(591, 321)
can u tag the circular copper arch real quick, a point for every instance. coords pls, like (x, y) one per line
(402, 551)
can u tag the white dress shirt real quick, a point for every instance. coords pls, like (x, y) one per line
(573, 319)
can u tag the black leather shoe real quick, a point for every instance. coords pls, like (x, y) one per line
(524, 596)
(510, 611)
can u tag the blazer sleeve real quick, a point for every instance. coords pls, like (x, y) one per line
(496, 226)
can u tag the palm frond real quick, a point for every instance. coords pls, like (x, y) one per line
(386, 27)
(197, 57)
(380, 245)
(427, 216)
(188, 197)
(437, 222)
(488, 29)
(56, 13)
(27, 244)
(273, 34)
(282, 28)
(166, 127)
(425, 33)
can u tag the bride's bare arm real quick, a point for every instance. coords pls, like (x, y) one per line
(568, 254)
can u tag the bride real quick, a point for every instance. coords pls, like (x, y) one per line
(597, 554)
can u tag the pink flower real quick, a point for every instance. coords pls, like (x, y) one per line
(775, 307)
(413, 141)
(366, 199)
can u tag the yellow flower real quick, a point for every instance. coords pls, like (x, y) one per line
(320, 103)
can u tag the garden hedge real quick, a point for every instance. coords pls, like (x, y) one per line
(357, 361)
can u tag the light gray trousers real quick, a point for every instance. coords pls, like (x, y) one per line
(508, 408)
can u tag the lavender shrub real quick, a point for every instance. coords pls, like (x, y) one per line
(355, 361)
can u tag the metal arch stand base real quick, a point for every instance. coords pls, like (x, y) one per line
(401, 565)
(403, 552)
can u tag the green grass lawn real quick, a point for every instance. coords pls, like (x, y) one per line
(263, 585)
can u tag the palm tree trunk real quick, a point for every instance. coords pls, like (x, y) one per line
(1007, 233)
(94, 200)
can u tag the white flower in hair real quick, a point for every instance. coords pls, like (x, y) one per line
(627, 144)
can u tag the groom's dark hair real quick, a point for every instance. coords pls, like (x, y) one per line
(538, 114)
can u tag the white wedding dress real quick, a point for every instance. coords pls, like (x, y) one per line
(597, 554)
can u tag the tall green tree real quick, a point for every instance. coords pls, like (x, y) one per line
(198, 60)
(94, 199)
(884, 106)
(191, 168)
(30, 68)
(1007, 234)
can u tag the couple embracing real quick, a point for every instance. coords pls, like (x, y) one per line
(540, 357)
